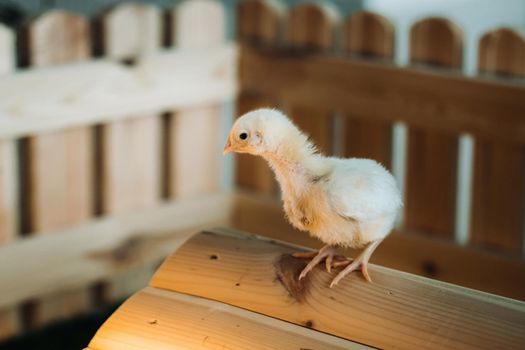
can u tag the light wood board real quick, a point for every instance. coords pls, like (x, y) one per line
(193, 143)
(159, 319)
(397, 310)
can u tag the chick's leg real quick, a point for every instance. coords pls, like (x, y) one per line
(361, 261)
(327, 252)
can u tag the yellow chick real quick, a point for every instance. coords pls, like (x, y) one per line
(343, 202)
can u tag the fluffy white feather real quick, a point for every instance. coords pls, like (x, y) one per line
(343, 202)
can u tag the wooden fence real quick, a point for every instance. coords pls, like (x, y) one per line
(110, 120)
(336, 77)
(109, 142)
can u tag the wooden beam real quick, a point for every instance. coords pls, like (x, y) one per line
(413, 253)
(438, 100)
(100, 91)
(159, 319)
(397, 310)
(103, 248)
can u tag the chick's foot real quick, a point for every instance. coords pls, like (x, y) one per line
(326, 253)
(360, 262)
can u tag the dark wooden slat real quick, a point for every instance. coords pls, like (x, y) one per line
(430, 99)
(258, 23)
(430, 195)
(311, 27)
(498, 203)
(369, 35)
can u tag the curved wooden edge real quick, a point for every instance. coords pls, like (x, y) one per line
(311, 26)
(370, 34)
(160, 319)
(396, 310)
(259, 21)
(502, 51)
(436, 41)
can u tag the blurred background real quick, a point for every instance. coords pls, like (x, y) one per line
(113, 115)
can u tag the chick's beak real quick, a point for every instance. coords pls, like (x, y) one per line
(228, 147)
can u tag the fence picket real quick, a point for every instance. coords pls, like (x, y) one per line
(499, 168)
(9, 322)
(56, 167)
(195, 24)
(130, 155)
(369, 35)
(311, 27)
(432, 156)
(258, 23)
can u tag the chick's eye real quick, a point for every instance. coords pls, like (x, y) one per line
(243, 136)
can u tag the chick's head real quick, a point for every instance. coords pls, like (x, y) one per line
(259, 132)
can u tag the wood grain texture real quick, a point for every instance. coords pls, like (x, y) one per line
(434, 100)
(259, 22)
(159, 319)
(311, 27)
(9, 318)
(371, 35)
(392, 312)
(413, 253)
(130, 149)
(498, 202)
(194, 146)
(430, 194)
(57, 168)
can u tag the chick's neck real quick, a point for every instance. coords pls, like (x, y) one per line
(294, 162)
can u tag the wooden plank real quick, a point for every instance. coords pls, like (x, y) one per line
(392, 312)
(103, 90)
(130, 158)
(404, 251)
(311, 27)
(159, 319)
(196, 24)
(103, 249)
(258, 23)
(57, 169)
(498, 204)
(434, 100)
(430, 194)
(9, 318)
(131, 148)
(370, 35)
